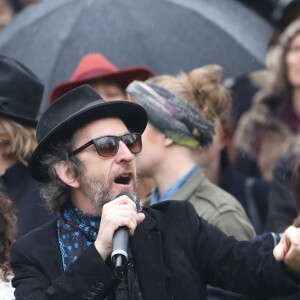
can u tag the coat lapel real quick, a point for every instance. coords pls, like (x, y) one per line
(147, 249)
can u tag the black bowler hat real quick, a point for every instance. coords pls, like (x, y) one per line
(72, 111)
(21, 92)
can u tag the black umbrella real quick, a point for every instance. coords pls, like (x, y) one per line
(166, 35)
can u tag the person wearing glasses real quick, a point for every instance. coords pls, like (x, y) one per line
(86, 158)
(110, 82)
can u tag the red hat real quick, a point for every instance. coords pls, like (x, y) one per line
(97, 66)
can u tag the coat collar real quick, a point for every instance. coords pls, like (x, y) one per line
(192, 184)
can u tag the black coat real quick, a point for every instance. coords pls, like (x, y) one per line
(282, 204)
(176, 254)
(243, 181)
(25, 193)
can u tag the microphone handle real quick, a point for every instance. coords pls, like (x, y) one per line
(120, 242)
(119, 254)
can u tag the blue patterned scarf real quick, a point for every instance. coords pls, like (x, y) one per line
(77, 230)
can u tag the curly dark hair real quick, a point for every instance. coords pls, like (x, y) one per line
(7, 231)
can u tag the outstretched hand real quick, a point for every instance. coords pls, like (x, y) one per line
(288, 249)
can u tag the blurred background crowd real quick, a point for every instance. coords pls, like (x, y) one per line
(246, 83)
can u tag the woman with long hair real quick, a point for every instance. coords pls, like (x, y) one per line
(7, 237)
(271, 127)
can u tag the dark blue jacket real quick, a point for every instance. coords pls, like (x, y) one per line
(25, 193)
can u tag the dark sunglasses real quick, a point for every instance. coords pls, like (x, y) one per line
(109, 145)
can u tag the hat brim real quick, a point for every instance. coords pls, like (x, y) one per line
(124, 77)
(134, 117)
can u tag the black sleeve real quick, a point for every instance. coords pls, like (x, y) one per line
(87, 278)
(247, 267)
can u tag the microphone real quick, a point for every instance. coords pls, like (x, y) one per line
(119, 253)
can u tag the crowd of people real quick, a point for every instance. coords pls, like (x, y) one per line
(198, 198)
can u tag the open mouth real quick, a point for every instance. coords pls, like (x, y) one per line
(123, 179)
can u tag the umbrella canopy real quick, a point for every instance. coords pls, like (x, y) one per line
(168, 36)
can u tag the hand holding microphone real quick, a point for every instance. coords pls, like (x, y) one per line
(119, 219)
(119, 255)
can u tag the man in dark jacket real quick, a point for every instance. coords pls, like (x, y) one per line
(86, 156)
(20, 97)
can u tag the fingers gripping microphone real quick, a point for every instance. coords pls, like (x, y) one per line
(119, 253)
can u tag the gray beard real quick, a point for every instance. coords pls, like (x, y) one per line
(98, 192)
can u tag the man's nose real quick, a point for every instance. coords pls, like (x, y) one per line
(124, 153)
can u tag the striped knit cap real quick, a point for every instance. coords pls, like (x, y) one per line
(172, 115)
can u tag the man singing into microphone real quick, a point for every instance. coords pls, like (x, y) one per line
(86, 156)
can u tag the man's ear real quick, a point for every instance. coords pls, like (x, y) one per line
(65, 174)
(168, 142)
